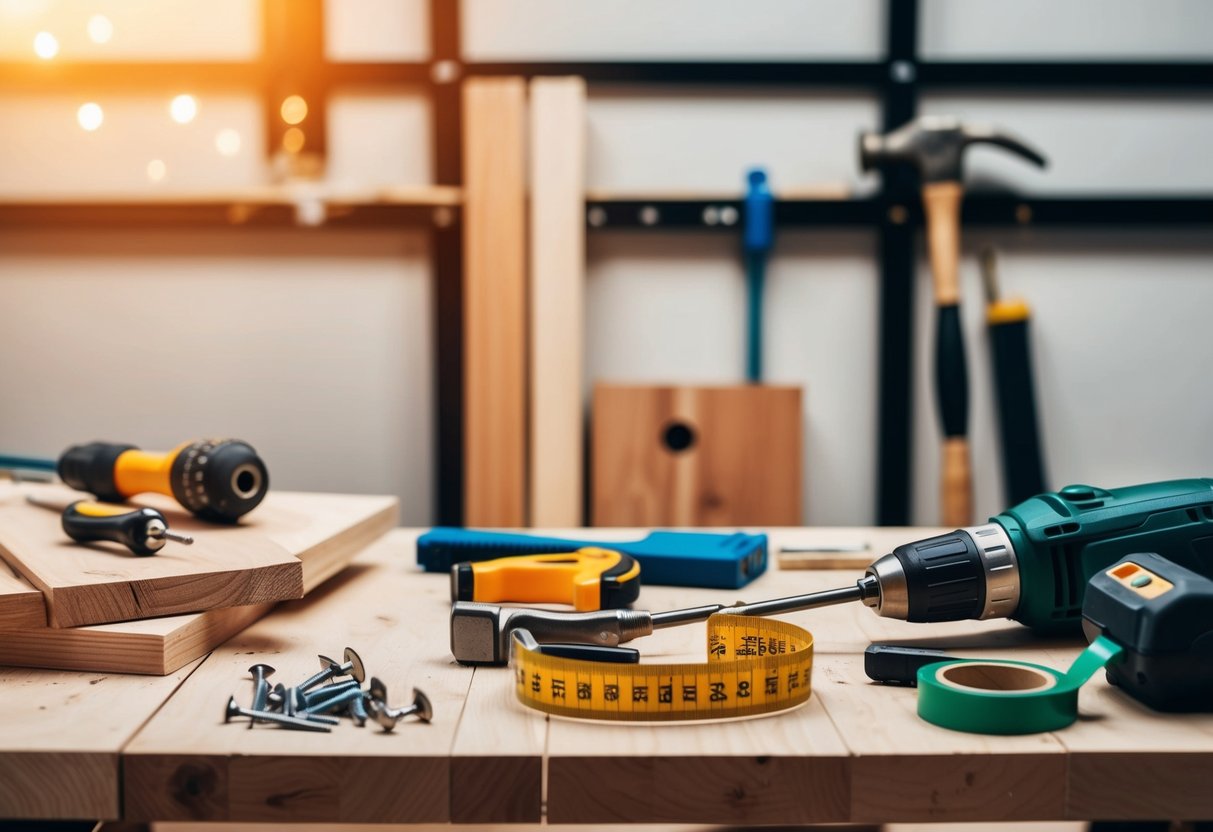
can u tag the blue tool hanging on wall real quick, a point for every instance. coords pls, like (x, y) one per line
(757, 238)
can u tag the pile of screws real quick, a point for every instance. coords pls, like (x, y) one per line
(318, 702)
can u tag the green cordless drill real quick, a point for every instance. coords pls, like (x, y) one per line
(1032, 562)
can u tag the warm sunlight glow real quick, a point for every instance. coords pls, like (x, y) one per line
(100, 30)
(156, 170)
(90, 116)
(183, 109)
(294, 109)
(46, 45)
(227, 142)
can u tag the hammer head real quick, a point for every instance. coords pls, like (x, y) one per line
(935, 145)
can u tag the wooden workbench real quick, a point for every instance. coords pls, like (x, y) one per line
(91, 746)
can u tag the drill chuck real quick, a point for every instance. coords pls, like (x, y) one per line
(970, 573)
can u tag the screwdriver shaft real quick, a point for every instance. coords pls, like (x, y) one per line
(169, 534)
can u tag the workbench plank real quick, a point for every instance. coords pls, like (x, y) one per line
(59, 750)
(324, 531)
(104, 582)
(21, 604)
(790, 767)
(557, 300)
(495, 311)
(1127, 761)
(187, 765)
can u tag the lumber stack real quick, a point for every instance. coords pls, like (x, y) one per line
(100, 608)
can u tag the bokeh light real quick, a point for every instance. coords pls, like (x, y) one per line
(90, 116)
(100, 29)
(183, 108)
(46, 45)
(294, 109)
(227, 142)
(156, 170)
(293, 140)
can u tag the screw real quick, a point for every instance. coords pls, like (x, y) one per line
(329, 668)
(234, 710)
(261, 688)
(337, 699)
(388, 717)
(358, 712)
(325, 691)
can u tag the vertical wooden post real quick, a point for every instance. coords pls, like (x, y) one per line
(494, 279)
(557, 234)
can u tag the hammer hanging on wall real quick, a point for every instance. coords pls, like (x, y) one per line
(935, 145)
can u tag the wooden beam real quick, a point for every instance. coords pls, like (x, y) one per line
(494, 170)
(557, 235)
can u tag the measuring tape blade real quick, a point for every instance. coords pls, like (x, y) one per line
(1005, 697)
(755, 666)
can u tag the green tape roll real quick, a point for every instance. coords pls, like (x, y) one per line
(1003, 697)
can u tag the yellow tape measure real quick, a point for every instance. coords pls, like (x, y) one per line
(755, 666)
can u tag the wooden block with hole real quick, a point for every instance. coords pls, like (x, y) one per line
(696, 456)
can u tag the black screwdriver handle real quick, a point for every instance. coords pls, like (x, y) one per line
(1022, 459)
(87, 522)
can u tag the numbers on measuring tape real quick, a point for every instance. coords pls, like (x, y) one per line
(754, 666)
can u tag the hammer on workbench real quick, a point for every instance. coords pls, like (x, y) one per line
(935, 145)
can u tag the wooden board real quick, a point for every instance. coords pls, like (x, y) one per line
(21, 604)
(187, 765)
(227, 566)
(743, 466)
(837, 547)
(63, 734)
(557, 233)
(325, 531)
(494, 283)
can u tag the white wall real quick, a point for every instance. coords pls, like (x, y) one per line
(339, 350)
(314, 347)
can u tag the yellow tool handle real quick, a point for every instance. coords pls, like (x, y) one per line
(755, 666)
(139, 472)
(590, 578)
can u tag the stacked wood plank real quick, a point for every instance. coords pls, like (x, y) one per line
(100, 608)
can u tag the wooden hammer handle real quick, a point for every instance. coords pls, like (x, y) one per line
(942, 203)
(941, 200)
(956, 483)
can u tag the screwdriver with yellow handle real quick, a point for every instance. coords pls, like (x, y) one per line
(589, 578)
(142, 530)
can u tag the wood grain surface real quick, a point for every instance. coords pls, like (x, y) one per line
(743, 466)
(188, 765)
(495, 309)
(857, 751)
(21, 604)
(324, 531)
(63, 734)
(227, 566)
(557, 300)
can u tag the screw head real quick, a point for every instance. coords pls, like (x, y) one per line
(265, 670)
(378, 690)
(357, 669)
(423, 709)
(326, 662)
(231, 709)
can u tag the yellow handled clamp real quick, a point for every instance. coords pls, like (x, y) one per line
(589, 579)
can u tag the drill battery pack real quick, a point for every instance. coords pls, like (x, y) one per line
(1162, 615)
